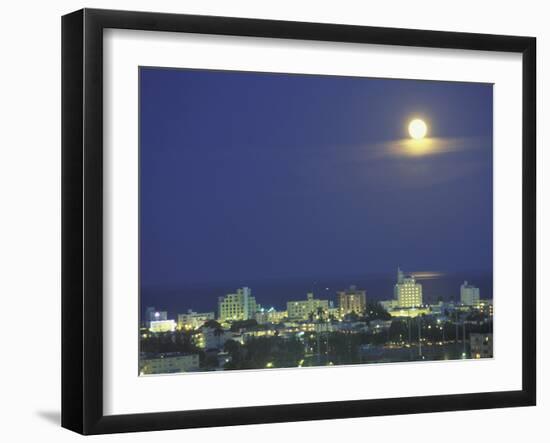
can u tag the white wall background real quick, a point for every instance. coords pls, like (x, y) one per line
(30, 216)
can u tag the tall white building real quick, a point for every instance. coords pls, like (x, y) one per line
(407, 291)
(238, 306)
(469, 295)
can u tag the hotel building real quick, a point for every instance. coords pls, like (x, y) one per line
(301, 309)
(211, 338)
(238, 306)
(407, 291)
(194, 320)
(270, 315)
(469, 295)
(352, 300)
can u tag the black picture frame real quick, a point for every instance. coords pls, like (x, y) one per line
(82, 220)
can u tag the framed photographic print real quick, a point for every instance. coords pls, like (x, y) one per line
(269, 221)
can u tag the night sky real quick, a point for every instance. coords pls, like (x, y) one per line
(251, 178)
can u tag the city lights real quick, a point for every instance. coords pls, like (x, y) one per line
(318, 332)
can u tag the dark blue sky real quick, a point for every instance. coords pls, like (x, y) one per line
(249, 177)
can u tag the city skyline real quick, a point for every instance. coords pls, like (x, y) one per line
(274, 293)
(333, 295)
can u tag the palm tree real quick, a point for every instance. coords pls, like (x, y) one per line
(320, 313)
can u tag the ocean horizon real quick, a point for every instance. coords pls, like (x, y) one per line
(203, 297)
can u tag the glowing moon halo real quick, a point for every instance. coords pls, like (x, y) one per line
(417, 129)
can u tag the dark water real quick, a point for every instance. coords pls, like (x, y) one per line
(277, 292)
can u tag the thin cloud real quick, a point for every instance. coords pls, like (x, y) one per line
(428, 146)
(427, 275)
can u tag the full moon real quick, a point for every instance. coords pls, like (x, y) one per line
(417, 129)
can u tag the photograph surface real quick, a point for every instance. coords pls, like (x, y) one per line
(294, 221)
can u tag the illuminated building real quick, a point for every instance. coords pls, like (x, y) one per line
(211, 338)
(162, 326)
(481, 345)
(258, 333)
(168, 363)
(485, 306)
(302, 309)
(199, 340)
(334, 313)
(151, 314)
(409, 312)
(270, 315)
(352, 300)
(194, 320)
(407, 291)
(469, 295)
(238, 306)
